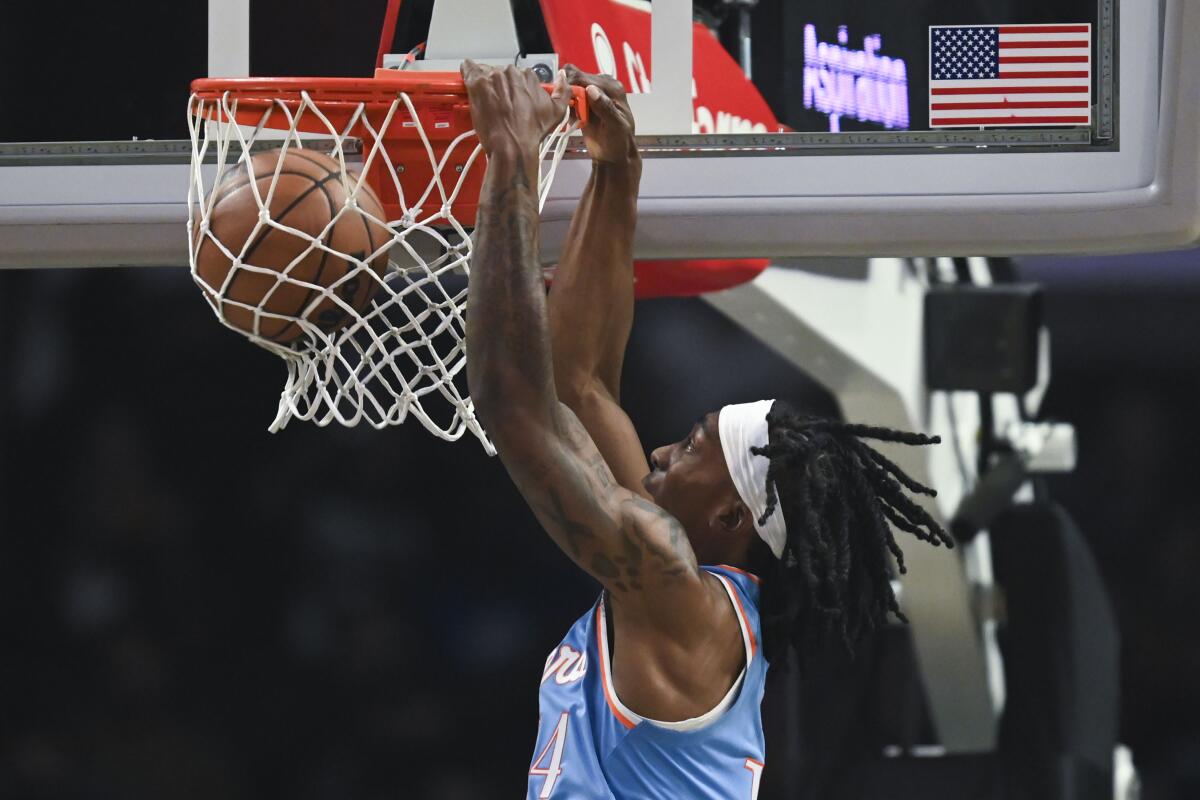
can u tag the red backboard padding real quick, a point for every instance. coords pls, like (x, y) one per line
(687, 278)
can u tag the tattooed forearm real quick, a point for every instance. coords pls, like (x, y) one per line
(625, 541)
(574, 534)
(673, 550)
(636, 560)
(604, 566)
(508, 353)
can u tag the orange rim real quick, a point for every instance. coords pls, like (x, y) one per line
(378, 91)
(359, 107)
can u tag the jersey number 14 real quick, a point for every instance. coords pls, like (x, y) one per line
(553, 754)
(553, 749)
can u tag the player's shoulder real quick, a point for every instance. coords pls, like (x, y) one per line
(742, 588)
(746, 583)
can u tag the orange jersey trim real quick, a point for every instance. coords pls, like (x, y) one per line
(604, 678)
(745, 621)
(749, 575)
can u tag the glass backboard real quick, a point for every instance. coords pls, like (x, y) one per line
(860, 127)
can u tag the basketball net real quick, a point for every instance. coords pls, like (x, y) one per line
(403, 355)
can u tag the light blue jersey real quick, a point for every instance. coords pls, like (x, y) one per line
(591, 747)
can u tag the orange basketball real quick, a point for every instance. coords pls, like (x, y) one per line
(309, 193)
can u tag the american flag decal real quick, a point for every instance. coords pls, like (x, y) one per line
(986, 76)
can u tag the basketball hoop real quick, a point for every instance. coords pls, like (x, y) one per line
(422, 163)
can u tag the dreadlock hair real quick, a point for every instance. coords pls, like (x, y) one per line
(837, 496)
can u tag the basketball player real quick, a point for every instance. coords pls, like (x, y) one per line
(762, 529)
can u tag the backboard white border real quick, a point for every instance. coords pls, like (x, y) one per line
(1143, 196)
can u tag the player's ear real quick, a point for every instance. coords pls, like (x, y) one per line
(732, 516)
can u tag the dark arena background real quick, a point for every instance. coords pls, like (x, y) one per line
(194, 608)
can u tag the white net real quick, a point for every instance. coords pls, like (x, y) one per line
(363, 299)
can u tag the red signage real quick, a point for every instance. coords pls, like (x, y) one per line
(613, 37)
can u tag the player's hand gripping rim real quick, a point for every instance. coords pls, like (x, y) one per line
(610, 129)
(510, 109)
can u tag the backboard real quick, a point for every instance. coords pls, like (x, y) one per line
(832, 145)
(777, 128)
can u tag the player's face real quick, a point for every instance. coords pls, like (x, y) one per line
(690, 480)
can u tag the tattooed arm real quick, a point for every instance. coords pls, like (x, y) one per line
(591, 301)
(635, 549)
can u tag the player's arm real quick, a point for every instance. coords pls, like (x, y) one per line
(634, 548)
(591, 301)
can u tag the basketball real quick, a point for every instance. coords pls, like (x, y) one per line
(309, 192)
(812, 380)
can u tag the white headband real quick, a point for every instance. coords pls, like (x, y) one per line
(741, 427)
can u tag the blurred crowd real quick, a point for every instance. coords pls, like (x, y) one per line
(193, 607)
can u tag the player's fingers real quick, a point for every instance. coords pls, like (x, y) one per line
(599, 103)
(576, 76)
(561, 89)
(607, 84)
(611, 86)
